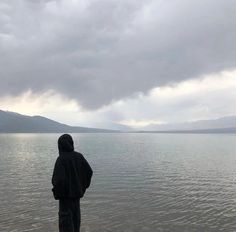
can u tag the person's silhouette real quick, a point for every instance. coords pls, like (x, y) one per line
(71, 177)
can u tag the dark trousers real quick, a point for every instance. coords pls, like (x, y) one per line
(69, 215)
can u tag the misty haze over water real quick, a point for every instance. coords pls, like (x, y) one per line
(141, 182)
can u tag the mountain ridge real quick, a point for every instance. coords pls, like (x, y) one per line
(226, 130)
(209, 124)
(11, 122)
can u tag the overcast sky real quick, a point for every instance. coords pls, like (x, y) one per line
(130, 62)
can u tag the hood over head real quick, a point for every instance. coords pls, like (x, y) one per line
(65, 143)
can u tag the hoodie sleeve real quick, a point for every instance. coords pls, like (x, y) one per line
(89, 172)
(58, 179)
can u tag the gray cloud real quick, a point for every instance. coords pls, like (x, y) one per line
(101, 51)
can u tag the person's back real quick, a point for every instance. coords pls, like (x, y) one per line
(71, 177)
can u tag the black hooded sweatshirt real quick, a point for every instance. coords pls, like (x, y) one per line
(72, 174)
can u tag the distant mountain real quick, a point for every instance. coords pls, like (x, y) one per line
(231, 130)
(113, 126)
(226, 124)
(11, 122)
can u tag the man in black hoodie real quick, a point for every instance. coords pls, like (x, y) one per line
(71, 177)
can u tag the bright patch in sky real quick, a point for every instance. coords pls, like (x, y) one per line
(207, 97)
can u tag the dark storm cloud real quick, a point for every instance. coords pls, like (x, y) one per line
(101, 51)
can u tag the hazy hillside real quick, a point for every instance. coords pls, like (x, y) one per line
(230, 130)
(11, 122)
(220, 124)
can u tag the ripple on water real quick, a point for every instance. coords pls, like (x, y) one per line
(143, 183)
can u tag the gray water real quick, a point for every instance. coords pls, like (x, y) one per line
(141, 182)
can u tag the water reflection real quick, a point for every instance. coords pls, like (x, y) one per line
(142, 182)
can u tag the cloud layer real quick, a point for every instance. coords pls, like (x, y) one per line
(98, 52)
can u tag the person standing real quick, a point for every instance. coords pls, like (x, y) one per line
(71, 177)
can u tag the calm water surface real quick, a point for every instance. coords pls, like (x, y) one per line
(142, 182)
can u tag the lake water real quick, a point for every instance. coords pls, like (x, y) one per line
(141, 182)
